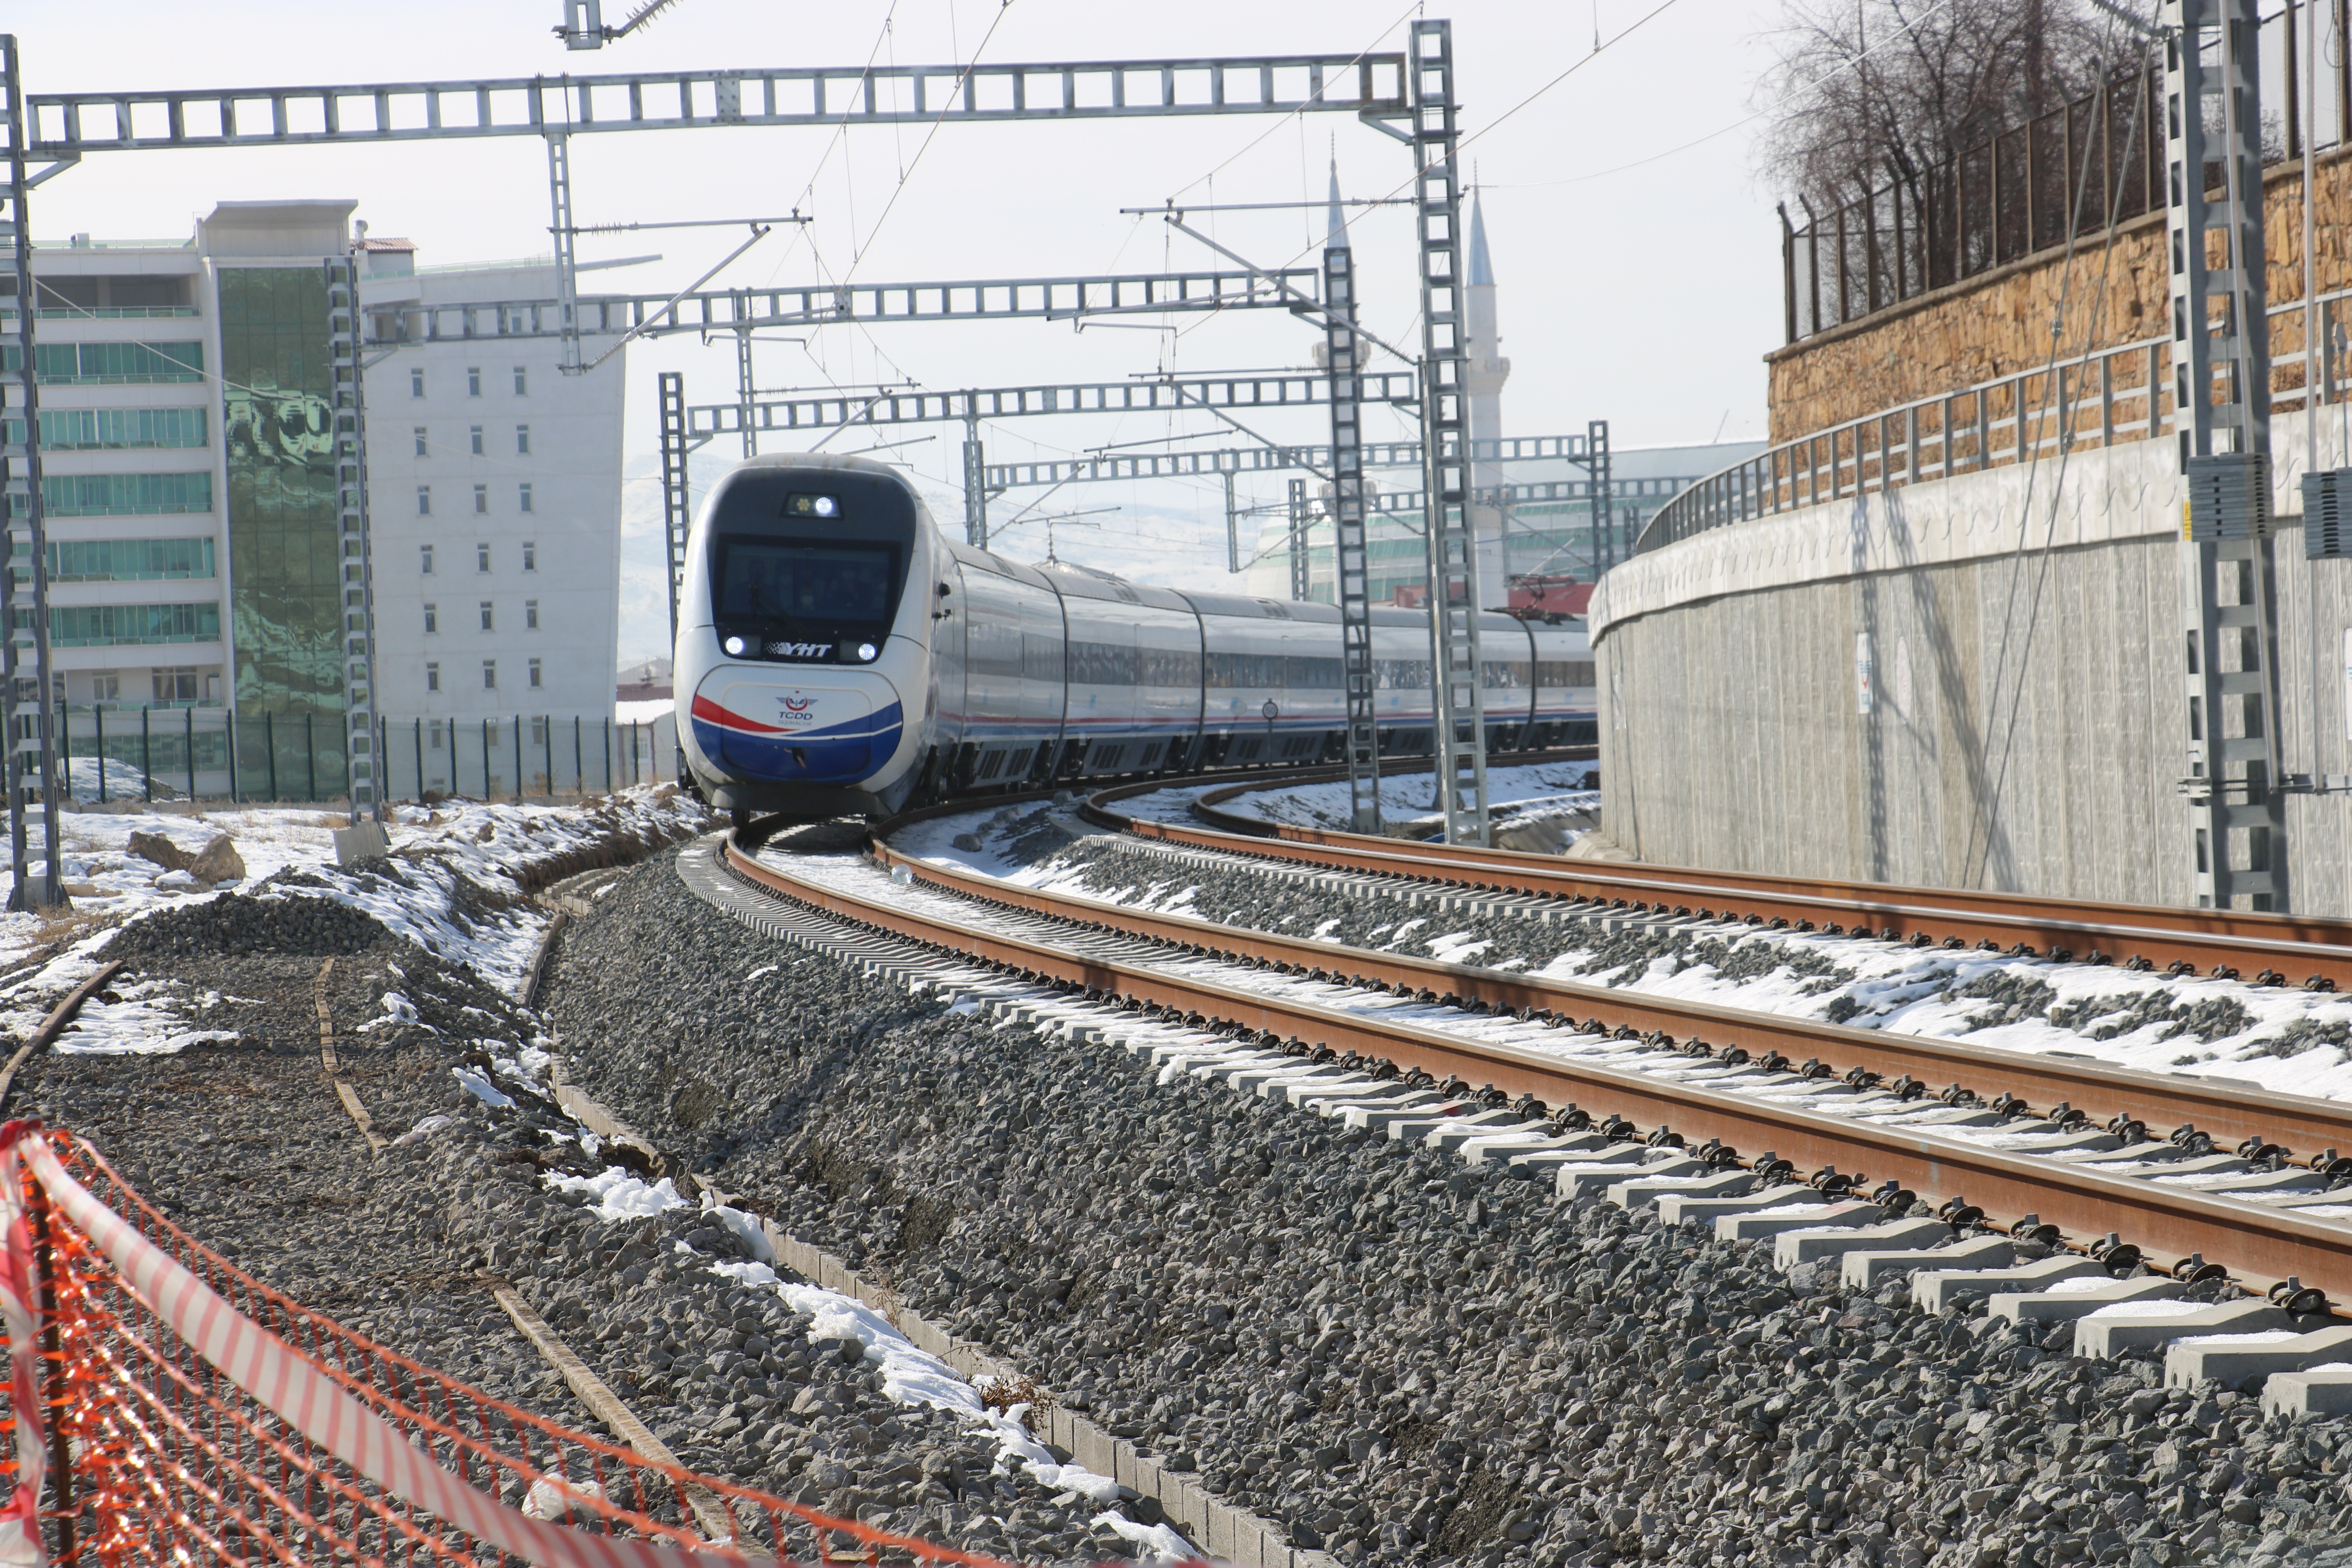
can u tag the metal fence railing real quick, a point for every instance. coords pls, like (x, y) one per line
(122, 753)
(2106, 398)
(2097, 160)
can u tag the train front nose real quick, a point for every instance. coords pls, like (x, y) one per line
(809, 725)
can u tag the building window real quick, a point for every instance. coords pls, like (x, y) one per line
(490, 617)
(432, 619)
(425, 557)
(481, 498)
(106, 687)
(529, 556)
(473, 381)
(489, 674)
(481, 557)
(522, 440)
(416, 383)
(522, 386)
(539, 727)
(526, 498)
(433, 683)
(425, 500)
(534, 681)
(531, 614)
(124, 495)
(116, 626)
(476, 432)
(420, 441)
(173, 686)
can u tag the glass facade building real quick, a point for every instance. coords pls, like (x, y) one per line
(284, 536)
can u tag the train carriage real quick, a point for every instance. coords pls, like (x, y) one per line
(837, 654)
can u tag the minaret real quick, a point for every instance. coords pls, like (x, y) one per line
(1488, 371)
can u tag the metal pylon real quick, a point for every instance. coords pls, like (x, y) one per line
(1295, 548)
(567, 269)
(975, 485)
(348, 408)
(1350, 572)
(1604, 507)
(677, 507)
(747, 391)
(2221, 358)
(25, 695)
(1460, 696)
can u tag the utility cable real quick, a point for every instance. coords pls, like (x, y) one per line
(1982, 820)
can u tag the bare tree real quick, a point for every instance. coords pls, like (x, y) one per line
(1863, 91)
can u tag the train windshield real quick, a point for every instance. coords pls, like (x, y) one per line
(799, 581)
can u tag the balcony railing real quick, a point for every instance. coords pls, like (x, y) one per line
(2106, 398)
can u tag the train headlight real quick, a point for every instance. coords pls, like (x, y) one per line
(734, 647)
(867, 653)
(811, 506)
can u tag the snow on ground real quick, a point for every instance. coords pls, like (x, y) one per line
(1530, 790)
(289, 852)
(1015, 842)
(910, 1375)
(2274, 1037)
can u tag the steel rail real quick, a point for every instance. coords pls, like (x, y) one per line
(2259, 1242)
(2160, 1101)
(2226, 943)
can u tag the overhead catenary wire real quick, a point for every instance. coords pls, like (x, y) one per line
(1980, 827)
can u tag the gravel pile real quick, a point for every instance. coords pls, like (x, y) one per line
(1403, 1359)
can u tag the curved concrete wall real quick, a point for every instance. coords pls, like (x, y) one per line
(2021, 633)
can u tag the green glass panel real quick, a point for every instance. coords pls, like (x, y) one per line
(284, 534)
(125, 495)
(109, 429)
(103, 625)
(128, 560)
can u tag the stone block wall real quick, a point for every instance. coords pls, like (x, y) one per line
(1999, 323)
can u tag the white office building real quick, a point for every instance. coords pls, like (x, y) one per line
(494, 489)
(195, 558)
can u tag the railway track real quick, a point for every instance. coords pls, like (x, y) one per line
(1592, 1088)
(2267, 949)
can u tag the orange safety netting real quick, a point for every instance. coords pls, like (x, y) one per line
(168, 1408)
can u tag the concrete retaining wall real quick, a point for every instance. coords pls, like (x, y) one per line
(2023, 637)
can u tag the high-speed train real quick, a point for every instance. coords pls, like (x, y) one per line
(838, 654)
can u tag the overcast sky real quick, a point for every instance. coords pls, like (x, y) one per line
(1636, 284)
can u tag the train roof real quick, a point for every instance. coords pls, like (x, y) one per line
(1089, 583)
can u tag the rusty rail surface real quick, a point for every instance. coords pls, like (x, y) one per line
(2259, 1243)
(2301, 950)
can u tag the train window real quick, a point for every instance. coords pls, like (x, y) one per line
(1103, 664)
(1564, 672)
(1171, 666)
(780, 579)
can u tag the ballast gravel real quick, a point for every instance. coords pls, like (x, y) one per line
(1401, 1358)
(240, 1141)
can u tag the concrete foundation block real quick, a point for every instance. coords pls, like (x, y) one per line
(1677, 1208)
(2315, 1390)
(1938, 1287)
(2098, 1336)
(2189, 1361)
(1508, 1149)
(2066, 1306)
(1861, 1271)
(1642, 1190)
(1793, 1248)
(360, 841)
(1757, 1226)
(1594, 1179)
(1459, 1131)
